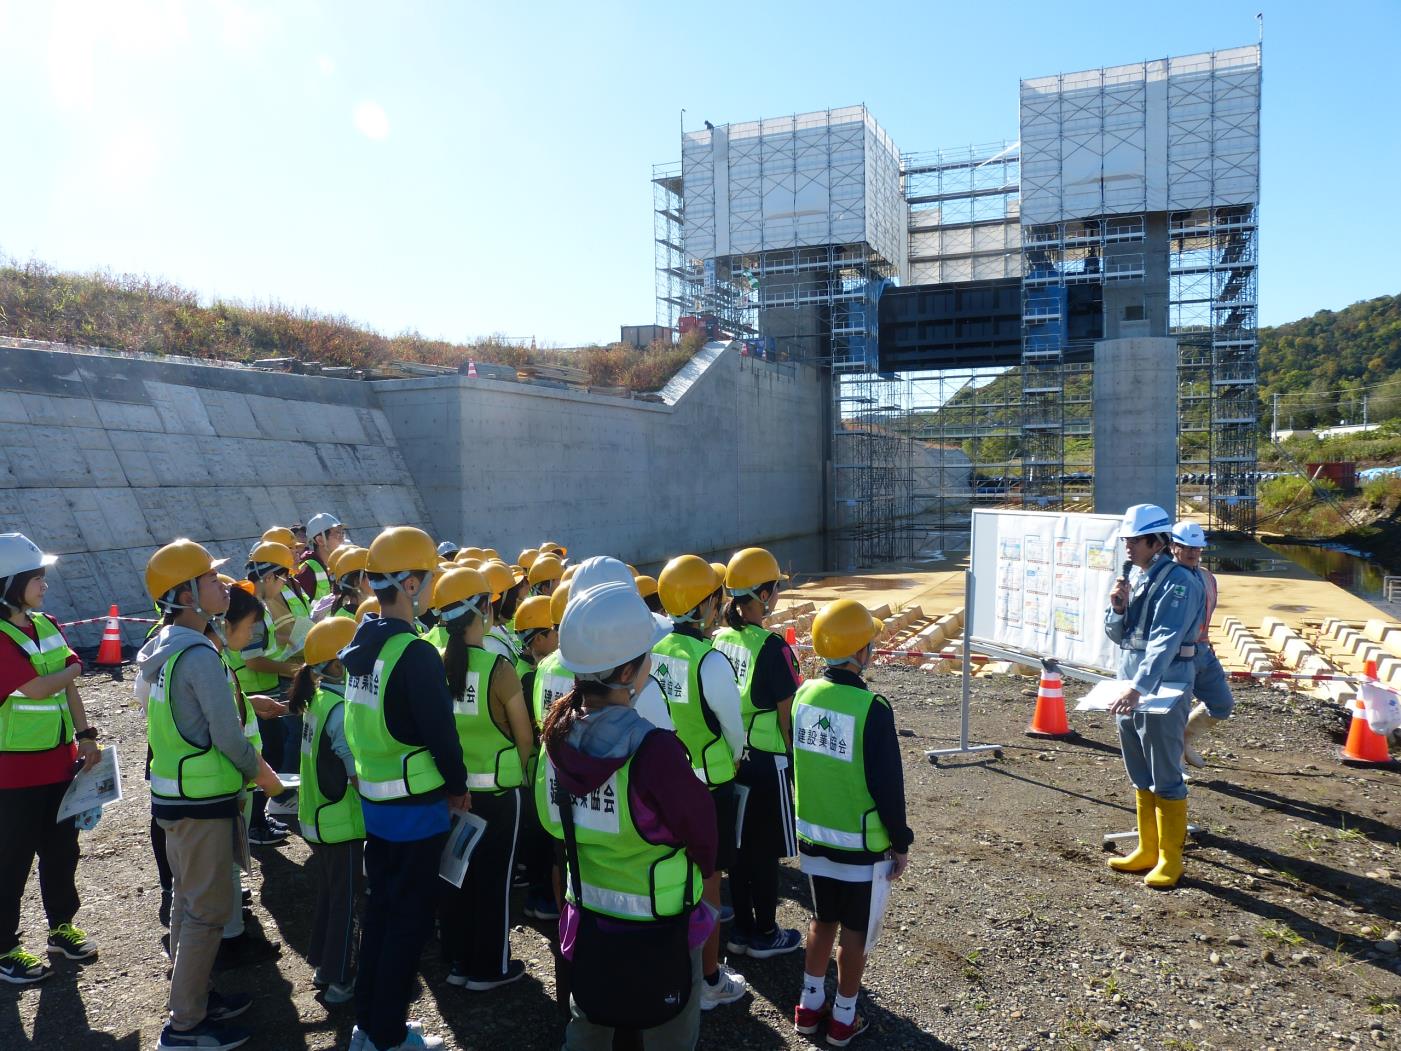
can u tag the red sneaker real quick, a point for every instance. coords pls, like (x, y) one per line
(806, 1022)
(839, 1035)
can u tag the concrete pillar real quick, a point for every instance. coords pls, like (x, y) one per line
(1135, 414)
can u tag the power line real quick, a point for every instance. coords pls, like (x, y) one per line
(1338, 390)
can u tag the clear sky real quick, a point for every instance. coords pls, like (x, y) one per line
(462, 169)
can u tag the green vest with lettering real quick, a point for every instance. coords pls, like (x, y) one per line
(742, 648)
(552, 681)
(621, 874)
(833, 804)
(301, 624)
(328, 807)
(181, 769)
(493, 764)
(36, 724)
(386, 767)
(676, 667)
(246, 715)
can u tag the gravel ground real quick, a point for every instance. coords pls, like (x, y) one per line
(1007, 932)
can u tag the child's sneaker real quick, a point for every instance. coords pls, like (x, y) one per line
(22, 968)
(336, 993)
(67, 940)
(204, 1037)
(806, 1021)
(779, 941)
(737, 944)
(727, 990)
(839, 1035)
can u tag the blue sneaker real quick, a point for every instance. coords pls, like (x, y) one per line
(738, 943)
(727, 913)
(540, 907)
(779, 941)
(223, 1006)
(207, 1036)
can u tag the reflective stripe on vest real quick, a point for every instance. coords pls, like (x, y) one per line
(36, 724)
(833, 803)
(493, 764)
(324, 819)
(322, 578)
(181, 769)
(386, 767)
(300, 614)
(502, 641)
(742, 648)
(552, 681)
(676, 667)
(622, 874)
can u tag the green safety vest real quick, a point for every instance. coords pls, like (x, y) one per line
(36, 724)
(621, 874)
(833, 804)
(254, 681)
(676, 667)
(328, 807)
(386, 767)
(246, 715)
(301, 613)
(493, 764)
(322, 578)
(438, 636)
(181, 769)
(552, 681)
(742, 648)
(509, 640)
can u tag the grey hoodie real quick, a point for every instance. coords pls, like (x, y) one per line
(202, 704)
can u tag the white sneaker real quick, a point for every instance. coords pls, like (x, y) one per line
(727, 990)
(282, 806)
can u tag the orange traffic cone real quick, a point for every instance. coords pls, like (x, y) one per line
(1363, 745)
(109, 654)
(790, 635)
(1049, 718)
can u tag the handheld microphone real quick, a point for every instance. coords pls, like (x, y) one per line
(1128, 567)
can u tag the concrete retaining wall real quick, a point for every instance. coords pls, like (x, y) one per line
(732, 456)
(104, 458)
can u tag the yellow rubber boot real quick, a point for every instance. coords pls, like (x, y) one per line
(1146, 855)
(1172, 835)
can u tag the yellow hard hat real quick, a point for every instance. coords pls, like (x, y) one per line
(546, 567)
(719, 570)
(534, 614)
(490, 554)
(685, 582)
(471, 552)
(549, 547)
(633, 570)
(227, 580)
(750, 568)
(499, 576)
(843, 628)
(569, 572)
(179, 562)
(403, 549)
(272, 553)
(348, 560)
(471, 563)
(458, 585)
(327, 638)
(370, 605)
(646, 586)
(281, 535)
(559, 598)
(526, 557)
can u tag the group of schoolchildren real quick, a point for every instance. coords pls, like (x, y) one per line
(619, 741)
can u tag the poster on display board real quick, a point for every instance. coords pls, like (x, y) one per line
(1041, 581)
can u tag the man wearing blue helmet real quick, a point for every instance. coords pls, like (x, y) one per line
(1211, 688)
(1155, 612)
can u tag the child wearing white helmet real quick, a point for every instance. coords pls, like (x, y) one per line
(1213, 691)
(638, 828)
(1154, 615)
(43, 732)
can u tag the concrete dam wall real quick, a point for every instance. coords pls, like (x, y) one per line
(105, 457)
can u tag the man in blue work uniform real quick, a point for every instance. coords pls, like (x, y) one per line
(1154, 615)
(1211, 688)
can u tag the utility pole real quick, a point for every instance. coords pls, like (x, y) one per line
(1274, 430)
(1364, 412)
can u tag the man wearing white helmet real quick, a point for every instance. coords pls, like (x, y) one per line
(1211, 688)
(324, 533)
(1155, 612)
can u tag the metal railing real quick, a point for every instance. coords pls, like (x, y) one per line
(1391, 588)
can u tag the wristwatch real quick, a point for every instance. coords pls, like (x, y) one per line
(87, 733)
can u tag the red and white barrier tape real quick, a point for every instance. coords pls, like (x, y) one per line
(1299, 676)
(937, 655)
(104, 620)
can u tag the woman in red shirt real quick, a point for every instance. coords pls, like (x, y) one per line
(41, 716)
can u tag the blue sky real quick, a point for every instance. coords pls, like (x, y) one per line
(462, 169)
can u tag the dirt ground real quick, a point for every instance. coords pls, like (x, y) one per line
(1007, 932)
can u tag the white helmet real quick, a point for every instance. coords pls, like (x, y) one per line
(447, 549)
(1189, 534)
(319, 524)
(599, 570)
(607, 626)
(19, 554)
(1142, 519)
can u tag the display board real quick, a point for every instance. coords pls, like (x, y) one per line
(1041, 581)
